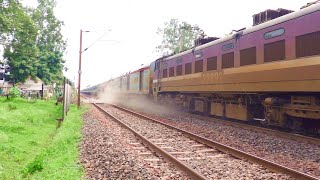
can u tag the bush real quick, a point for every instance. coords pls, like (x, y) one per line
(14, 92)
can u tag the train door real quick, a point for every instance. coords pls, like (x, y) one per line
(141, 81)
(128, 82)
(156, 79)
(158, 75)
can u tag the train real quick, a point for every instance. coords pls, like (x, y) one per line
(269, 72)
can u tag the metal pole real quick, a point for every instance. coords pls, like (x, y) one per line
(64, 98)
(42, 91)
(79, 72)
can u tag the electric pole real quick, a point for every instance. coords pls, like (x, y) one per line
(79, 72)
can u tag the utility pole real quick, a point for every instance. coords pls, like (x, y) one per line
(79, 72)
(80, 55)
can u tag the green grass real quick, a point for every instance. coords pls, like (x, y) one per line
(30, 145)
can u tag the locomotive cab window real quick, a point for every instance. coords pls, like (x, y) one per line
(157, 65)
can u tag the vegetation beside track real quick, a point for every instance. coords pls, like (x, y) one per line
(30, 145)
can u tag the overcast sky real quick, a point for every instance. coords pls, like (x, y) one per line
(133, 24)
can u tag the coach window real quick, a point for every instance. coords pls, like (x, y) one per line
(179, 70)
(171, 72)
(198, 66)
(228, 60)
(248, 56)
(308, 44)
(165, 73)
(212, 63)
(274, 51)
(187, 68)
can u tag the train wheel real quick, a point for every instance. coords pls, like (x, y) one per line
(191, 107)
(294, 123)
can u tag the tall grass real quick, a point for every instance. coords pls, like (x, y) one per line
(61, 158)
(30, 145)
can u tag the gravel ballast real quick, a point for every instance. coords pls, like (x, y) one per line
(214, 164)
(298, 155)
(109, 151)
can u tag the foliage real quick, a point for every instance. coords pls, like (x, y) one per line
(20, 33)
(32, 40)
(29, 128)
(50, 42)
(64, 151)
(14, 92)
(32, 147)
(34, 166)
(177, 36)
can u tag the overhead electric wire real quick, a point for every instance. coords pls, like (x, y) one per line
(95, 41)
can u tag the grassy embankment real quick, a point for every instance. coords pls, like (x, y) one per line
(30, 145)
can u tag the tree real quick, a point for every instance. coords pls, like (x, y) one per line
(178, 36)
(19, 33)
(50, 42)
(32, 41)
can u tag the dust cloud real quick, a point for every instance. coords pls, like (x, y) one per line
(142, 103)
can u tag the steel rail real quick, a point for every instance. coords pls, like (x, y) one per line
(179, 164)
(232, 151)
(291, 136)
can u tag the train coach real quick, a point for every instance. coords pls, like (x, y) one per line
(134, 83)
(269, 72)
(137, 82)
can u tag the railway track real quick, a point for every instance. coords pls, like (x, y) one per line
(110, 151)
(279, 133)
(156, 148)
(207, 148)
(256, 128)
